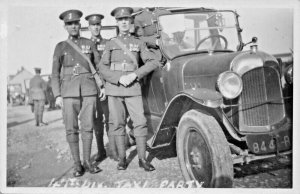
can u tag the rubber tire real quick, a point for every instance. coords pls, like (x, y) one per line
(221, 167)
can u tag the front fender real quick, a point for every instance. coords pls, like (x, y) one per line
(204, 96)
(201, 99)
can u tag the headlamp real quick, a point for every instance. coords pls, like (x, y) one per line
(289, 75)
(230, 84)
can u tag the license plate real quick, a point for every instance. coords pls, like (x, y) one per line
(265, 143)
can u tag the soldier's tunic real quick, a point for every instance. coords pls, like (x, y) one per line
(100, 44)
(145, 22)
(37, 92)
(114, 63)
(72, 79)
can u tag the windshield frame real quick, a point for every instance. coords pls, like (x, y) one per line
(199, 10)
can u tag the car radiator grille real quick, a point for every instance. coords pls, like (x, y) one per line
(261, 100)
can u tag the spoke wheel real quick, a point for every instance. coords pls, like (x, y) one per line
(203, 152)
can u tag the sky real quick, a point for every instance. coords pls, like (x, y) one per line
(30, 29)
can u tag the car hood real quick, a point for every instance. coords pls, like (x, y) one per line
(201, 71)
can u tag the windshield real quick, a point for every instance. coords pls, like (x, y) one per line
(193, 32)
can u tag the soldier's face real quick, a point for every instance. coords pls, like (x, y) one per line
(73, 28)
(124, 24)
(95, 29)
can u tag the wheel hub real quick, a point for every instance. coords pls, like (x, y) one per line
(198, 159)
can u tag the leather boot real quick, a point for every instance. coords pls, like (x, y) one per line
(86, 149)
(101, 155)
(74, 147)
(99, 127)
(143, 163)
(120, 141)
(78, 169)
(113, 147)
(122, 165)
(91, 168)
(141, 150)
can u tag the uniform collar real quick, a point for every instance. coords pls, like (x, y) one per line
(124, 35)
(74, 38)
(96, 39)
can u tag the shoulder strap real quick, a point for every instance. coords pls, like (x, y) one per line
(94, 72)
(78, 50)
(127, 51)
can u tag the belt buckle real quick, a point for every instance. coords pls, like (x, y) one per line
(76, 69)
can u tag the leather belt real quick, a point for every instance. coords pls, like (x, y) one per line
(75, 70)
(122, 67)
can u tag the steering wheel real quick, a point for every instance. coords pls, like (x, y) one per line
(212, 36)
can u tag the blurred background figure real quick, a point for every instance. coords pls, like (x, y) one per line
(37, 96)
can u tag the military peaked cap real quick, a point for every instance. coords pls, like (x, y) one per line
(70, 15)
(122, 12)
(94, 18)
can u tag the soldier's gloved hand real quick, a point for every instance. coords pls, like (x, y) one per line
(102, 94)
(59, 102)
(123, 80)
(131, 78)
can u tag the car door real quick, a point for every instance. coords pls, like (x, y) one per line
(154, 92)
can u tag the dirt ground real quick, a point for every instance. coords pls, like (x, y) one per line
(40, 157)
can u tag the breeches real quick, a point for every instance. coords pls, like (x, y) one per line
(117, 115)
(79, 109)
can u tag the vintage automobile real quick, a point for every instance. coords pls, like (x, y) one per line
(215, 103)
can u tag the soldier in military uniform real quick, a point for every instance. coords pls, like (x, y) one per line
(75, 89)
(101, 115)
(37, 95)
(122, 73)
(145, 24)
